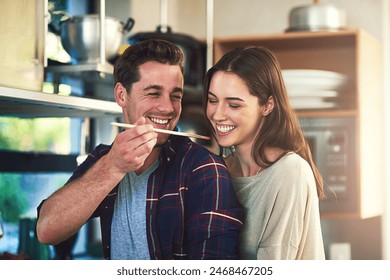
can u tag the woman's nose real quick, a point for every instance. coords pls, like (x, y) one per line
(220, 113)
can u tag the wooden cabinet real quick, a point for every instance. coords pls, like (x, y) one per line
(358, 56)
(23, 31)
(22, 36)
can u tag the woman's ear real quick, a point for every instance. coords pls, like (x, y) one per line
(269, 106)
(120, 93)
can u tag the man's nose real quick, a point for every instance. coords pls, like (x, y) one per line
(165, 104)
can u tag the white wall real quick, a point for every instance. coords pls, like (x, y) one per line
(233, 17)
(386, 56)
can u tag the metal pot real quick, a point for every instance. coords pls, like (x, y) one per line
(316, 17)
(80, 36)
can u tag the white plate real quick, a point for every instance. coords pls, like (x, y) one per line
(311, 93)
(311, 79)
(301, 103)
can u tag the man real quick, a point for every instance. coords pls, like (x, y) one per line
(158, 196)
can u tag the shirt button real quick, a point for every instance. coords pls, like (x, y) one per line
(168, 159)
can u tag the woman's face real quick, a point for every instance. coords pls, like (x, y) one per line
(234, 113)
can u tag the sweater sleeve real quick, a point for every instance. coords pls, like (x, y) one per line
(293, 230)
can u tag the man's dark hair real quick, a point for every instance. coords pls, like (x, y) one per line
(126, 69)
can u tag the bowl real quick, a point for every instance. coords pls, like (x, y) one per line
(80, 37)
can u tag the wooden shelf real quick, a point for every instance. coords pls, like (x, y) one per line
(330, 51)
(326, 113)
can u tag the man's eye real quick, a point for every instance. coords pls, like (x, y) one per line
(177, 97)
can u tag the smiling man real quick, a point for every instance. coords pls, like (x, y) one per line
(157, 196)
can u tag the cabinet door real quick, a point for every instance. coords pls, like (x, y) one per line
(23, 27)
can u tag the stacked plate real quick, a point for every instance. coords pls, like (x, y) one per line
(313, 89)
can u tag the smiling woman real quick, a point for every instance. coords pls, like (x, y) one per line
(272, 169)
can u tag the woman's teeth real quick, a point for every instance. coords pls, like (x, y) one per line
(159, 121)
(225, 128)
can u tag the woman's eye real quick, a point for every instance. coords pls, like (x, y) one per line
(213, 101)
(234, 106)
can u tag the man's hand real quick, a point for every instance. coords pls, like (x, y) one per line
(132, 146)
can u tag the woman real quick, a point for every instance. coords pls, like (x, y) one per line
(274, 175)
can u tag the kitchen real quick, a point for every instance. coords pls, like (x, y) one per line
(263, 19)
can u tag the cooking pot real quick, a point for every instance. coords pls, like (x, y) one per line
(80, 36)
(316, 17)
(193, 49)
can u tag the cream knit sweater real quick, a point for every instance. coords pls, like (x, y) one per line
(282, 212)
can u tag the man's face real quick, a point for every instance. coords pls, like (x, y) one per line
(157, 96)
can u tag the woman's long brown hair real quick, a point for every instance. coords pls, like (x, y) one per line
(260, 70)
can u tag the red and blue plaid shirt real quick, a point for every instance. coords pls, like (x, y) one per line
(191, 209)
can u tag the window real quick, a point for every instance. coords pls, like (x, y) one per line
(37, 157)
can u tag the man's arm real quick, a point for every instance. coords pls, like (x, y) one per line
(66, 210)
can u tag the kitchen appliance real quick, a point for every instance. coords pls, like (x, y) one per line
(317, 17)
(80, 36)
(193, 49)
(333, 146)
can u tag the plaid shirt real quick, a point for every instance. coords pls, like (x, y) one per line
(191, 209)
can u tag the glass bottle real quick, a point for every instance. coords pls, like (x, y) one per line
(1, 226)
